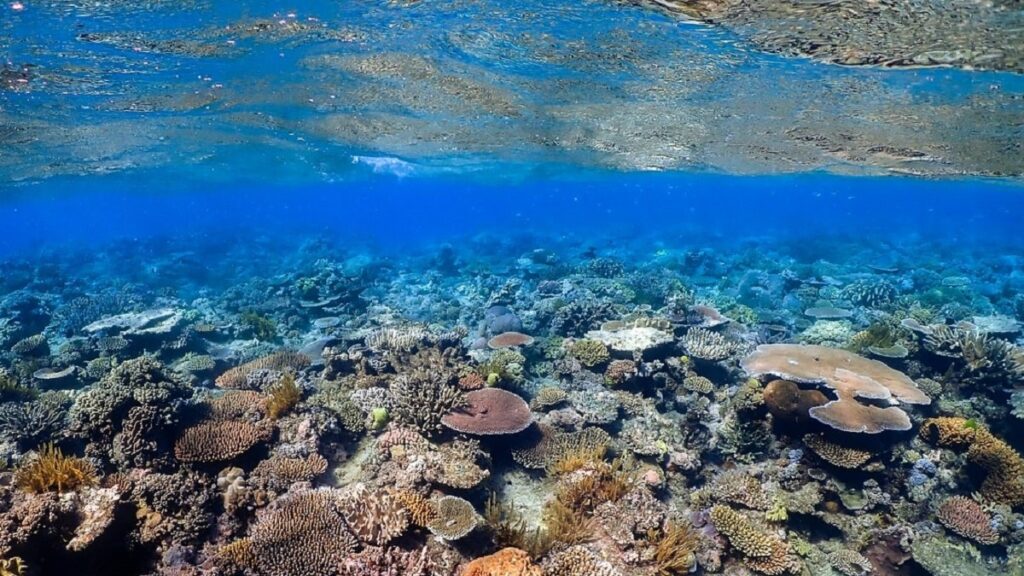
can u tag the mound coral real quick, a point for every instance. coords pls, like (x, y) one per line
(218, 440)
(490, 412)
(788, 403)
(850, 377)
(51, 471)
(966, 518)
(1004, 482)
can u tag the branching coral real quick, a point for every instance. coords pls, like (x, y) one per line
(283, 397)
(237, 377)
(704, 344)
(218, 440)
(509, 528)
(763, 552)
(966, 518)
(373, 516)
(51, 471)
(554, 445)
(424, 399)
(590, 353)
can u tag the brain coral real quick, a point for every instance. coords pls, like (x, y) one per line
(966, 517)
(504, 562)
(218, 440)
(850, 377)
(489, 412)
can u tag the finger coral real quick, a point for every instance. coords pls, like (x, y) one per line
(763, 552)
(704, 344)
(589, 352)
(422, 400)
(218, 441)
(51, 471)
(966, 518)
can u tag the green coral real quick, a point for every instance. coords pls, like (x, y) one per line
(262, 327)
(589, 352)
(504, 366)
(379, 418)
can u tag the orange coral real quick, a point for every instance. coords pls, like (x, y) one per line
(505, 562)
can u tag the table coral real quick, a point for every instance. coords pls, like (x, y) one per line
(489, 412)
(218, 440)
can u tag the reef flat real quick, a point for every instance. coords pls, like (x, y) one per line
(508, 407)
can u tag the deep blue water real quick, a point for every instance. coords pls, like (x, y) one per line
(395, 213)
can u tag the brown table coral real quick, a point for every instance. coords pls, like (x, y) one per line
(489, 412)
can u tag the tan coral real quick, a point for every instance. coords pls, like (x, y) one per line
(421, 511)
(280, 472)
(236, 378)
(850, 377)
(1004, 482)
(966, 518)
(505, 562)
(836, 454)
(373, 516)
(218, 441)
(455, 518)
(763, 551)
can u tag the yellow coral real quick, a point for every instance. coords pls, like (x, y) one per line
(51, 471)
(283, 398)
(763, 551)
(14, 566)
(1005, 480)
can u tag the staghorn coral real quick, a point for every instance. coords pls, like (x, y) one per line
(237, 377)
(51, 471)
(301, 533)
(421, 511)
(279, 472)
(218, 440)
(836, 454)
(763, 552)
(590, 353)
(1004, 482)
(966, 518)
(504, 562)
(704, 344)
(455, 518)
(850, 377)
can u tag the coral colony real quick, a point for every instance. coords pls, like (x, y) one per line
(571, 416)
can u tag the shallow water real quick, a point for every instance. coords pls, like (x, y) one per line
(639, 289)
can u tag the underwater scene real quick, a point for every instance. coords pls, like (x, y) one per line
(512, 288)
